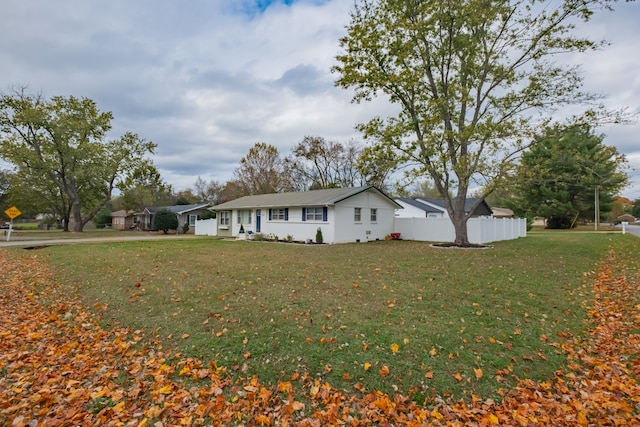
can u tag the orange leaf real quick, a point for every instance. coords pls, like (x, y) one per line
(384, 371)
(457, 376)
(395, 348)
(367, 366)
(478, 372)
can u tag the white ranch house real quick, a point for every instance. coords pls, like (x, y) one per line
(343, 214)
(360, 214)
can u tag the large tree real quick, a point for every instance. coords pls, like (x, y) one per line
(59, 151)
(316, 163)
(261, 171)
(145, 188)
(5, 186)
(568, 174)
(472, 80)
(209, 192)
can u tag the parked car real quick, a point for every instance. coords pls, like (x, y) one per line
(5, 226)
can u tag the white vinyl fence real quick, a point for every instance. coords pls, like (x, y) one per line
(206, 227)
(480, 230)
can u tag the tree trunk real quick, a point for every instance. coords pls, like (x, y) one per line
(77, 216)
(459, 221)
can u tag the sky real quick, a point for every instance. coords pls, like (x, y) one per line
(207, 79)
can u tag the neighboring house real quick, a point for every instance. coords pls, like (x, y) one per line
(343, 214)
(187, 214)
(123, 220)
(502, 213)
(427, 219)
(627, 218)
(435, 208)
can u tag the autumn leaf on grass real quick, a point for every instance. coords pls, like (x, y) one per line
(478, 373)
(433, 352)
(384, 371)
(367, 366)
(395, 348)
(457, 376)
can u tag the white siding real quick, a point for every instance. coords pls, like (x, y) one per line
(347, 230)
(296, 227)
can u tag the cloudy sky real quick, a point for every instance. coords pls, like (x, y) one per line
(207, 79)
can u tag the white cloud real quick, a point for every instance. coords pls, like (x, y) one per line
(206, 79)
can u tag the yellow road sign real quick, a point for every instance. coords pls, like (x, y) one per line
(13, 212)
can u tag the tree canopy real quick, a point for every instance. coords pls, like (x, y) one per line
(473, 80)
(260, 171)
(61, 158)
(568, 174)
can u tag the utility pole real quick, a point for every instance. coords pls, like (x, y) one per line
(596, 207)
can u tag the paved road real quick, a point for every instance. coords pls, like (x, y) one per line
(631, 229)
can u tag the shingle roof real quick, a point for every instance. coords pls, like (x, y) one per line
(420, 205)
(482, 209)
(178, 209)
(327, 197)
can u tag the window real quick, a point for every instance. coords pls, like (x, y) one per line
(374, 215)
(193, 219)
(357, 214)
(244, 217)
(224, 218)
(313, 214)
(278, 214)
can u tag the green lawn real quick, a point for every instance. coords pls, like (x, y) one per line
(444, 321)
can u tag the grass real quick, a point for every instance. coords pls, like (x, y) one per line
(28, 233)
(444, 321)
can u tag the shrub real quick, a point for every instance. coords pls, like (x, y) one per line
(185, 228)
(319, 235)
(207, 214)
(102, 218)
(165, 220)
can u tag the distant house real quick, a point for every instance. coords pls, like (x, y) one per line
(420, 207)
(627, 218)
(502, 213)
(343, 214)
(123, 220)
(186, 214)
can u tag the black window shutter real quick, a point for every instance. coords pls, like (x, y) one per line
(286, 214)
(269, 214)
(325, 214)
(304, 214)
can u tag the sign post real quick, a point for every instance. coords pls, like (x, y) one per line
(12, 213)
